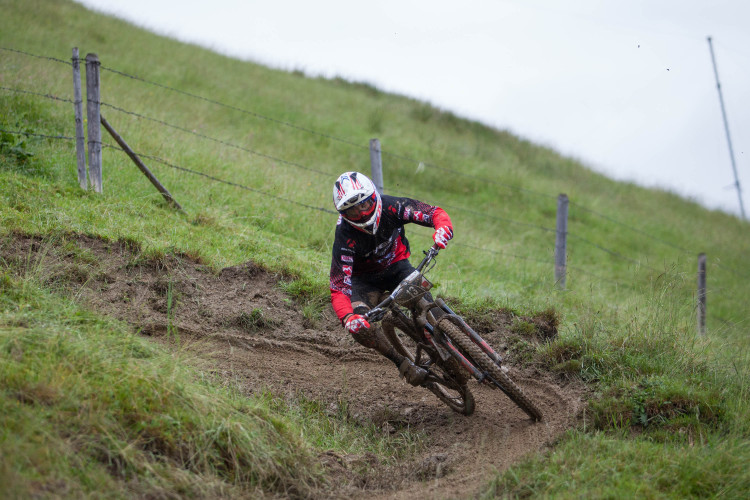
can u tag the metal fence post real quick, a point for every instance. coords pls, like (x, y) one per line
(93, 112)
(78, 110)
(376, 164)
(702, 294)
(561, 241)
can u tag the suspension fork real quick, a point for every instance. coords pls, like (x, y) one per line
(474, 336)
(448, 346)
(425, 319)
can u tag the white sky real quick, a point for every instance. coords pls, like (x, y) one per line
(626, 87)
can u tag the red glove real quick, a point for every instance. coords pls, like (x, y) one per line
(355, 322)
(442, 235)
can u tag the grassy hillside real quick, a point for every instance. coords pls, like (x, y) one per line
(277, 140)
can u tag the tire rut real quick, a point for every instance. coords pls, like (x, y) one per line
(276, 353)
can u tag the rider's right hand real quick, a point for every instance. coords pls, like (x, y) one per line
(355, 322)
(442, 236)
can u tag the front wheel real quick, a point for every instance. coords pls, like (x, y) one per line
(447, 380)
(479, 357)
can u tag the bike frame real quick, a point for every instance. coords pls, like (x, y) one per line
(410, 294)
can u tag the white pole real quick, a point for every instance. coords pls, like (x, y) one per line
(726, 128)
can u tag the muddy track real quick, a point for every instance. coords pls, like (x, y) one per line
(240, 325)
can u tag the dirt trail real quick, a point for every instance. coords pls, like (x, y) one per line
(243, 327)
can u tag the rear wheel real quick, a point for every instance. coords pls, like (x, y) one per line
(447, 380)
(486, 364)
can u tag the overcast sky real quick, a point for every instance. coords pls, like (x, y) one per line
(626, 87)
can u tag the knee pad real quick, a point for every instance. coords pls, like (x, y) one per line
(360, 308)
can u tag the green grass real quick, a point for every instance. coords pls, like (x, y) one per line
(599, 465)
(90, 408)
(627, 321)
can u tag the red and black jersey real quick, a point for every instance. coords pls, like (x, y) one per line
(356, 252)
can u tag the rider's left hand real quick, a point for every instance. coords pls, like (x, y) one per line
(442, 235)
(355, 322)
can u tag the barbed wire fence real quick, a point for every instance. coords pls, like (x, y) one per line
(403, 157)
(374, 153)
(394, 155)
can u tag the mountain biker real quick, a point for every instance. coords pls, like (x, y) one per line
(370, 255)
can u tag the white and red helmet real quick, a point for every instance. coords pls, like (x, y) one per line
(358, 201)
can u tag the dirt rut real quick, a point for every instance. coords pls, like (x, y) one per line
(241, 326)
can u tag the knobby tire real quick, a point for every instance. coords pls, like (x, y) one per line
(478, 356)
(454, 393)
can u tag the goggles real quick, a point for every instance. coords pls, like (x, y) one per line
(361, 210)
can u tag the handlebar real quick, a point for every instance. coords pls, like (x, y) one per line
(378, 312)
(429, 255)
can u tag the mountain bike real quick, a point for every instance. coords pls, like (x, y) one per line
(435, 338)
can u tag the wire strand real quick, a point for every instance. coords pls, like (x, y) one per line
(400, 157)
(640, 231)
(235, 108)
(497, 252)
(69, 63)
(321, 134)
(217, 179)
(470, 176)
(483, 214)
(612, 252)
(32, 134)
(219, 141)
(345, 141)
(48, 96)
(332, 137)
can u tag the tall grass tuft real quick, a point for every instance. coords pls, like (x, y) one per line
(88, 403)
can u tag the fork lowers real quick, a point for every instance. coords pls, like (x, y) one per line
(474, 336)
(492, 371)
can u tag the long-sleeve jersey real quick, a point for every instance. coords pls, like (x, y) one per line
(356, 252)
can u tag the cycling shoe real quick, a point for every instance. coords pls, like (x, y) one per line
(413, 374)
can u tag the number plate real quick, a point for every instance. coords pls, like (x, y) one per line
(412, 289)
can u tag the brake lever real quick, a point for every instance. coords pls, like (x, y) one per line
(429, 258)
(375, 314)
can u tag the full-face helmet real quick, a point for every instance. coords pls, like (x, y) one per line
(358, 201)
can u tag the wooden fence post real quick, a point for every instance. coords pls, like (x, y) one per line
(702, 294)
(376, 164)
(78, 109)
(93, 113)
(561, 241)
(137, 160)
